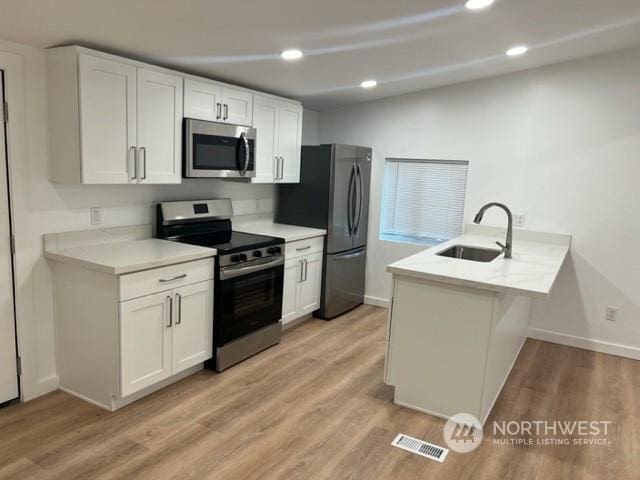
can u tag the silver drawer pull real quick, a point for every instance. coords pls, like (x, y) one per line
(303, 248)
(179, 277)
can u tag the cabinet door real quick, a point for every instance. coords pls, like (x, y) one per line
(201, 101)
(289, 141)
(237, 106)
(192, 325)
(265, 121)
(107, 120)
(292, 272)
(145, 342)
(309, 295)
(159, 118)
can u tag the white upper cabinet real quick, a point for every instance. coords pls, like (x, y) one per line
(265, 121)
(289, 141)
(112, 121)
(214, 102)
(278, 143)
(108, 119)
(159, 122)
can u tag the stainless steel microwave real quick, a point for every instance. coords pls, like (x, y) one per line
(218, 150)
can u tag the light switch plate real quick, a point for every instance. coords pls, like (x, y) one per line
(519, 220)
(612, 314)
(96, 216)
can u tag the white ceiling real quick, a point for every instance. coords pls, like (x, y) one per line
(407, 45)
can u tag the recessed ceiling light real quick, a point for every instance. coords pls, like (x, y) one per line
(515, 51)
(478, 4)
(291, 54)
(368, 84)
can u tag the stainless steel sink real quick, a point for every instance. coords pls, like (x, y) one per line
(474, 254)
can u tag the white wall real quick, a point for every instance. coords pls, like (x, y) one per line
(560, 144)
(43, 207)
(310, 127)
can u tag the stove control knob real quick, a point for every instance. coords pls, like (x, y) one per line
(274, 250)
(242, 257)
(257, 253)
(235, 258)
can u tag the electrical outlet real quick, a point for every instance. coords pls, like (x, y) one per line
(612, 314)
(519, 220)
(96, 216)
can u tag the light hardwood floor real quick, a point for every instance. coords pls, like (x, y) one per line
(315, 407)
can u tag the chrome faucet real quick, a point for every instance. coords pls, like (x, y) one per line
(507, 249)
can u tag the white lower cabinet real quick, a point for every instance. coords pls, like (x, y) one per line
(120, 337)
(164, 334)
(302, 278)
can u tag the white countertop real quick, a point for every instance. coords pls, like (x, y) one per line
(537, 258)
(289, 233)
(129, 256)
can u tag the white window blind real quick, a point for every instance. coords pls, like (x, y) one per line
(423, 200)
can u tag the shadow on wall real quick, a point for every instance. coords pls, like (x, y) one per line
(581, 291)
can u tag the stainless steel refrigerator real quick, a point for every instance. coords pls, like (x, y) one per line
(333, 194)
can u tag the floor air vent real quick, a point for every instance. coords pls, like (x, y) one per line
(420, 447)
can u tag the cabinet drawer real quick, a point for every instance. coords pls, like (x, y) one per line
(137, 284)
(303, 247)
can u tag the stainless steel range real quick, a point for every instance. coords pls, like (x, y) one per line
(249, 273)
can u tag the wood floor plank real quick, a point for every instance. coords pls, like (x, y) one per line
(315, 407)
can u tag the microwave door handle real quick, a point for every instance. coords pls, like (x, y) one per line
(245, 165)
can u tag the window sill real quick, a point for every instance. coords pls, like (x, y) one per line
(429, 242)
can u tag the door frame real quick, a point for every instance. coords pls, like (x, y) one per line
(14, 60)
(4, 163)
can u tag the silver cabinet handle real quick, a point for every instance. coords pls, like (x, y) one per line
(135, 163)
(143, 158)
(226, 112)
(301, 263)
(173, 279)
(306, 269)
(178, 308)
(218, 111)
(275, 168)
(301, 249)
(281, 168)
(170, 310)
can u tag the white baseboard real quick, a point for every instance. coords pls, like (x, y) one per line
(601, 346)
(376, 301)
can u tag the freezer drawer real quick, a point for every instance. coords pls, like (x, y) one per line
(343, 282)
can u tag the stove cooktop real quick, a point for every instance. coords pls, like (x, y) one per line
(230, 242)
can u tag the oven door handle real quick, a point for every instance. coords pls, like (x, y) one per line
(232, 272)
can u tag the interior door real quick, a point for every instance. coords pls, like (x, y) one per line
(8, 356)
(159, 117)
(145, 341)
(192, 325)
(289, 141)
(265, 121)
(108, 119)
(341, 199)
(363, 182)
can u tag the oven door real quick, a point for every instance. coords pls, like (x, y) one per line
(218, 150)
(248, 298)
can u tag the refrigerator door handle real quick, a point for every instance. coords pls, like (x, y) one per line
(350, 220)
(360, 198)
(346, 256)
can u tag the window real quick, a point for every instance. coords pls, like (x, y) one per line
(423, 200)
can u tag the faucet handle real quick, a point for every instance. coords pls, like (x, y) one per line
(503, 247)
